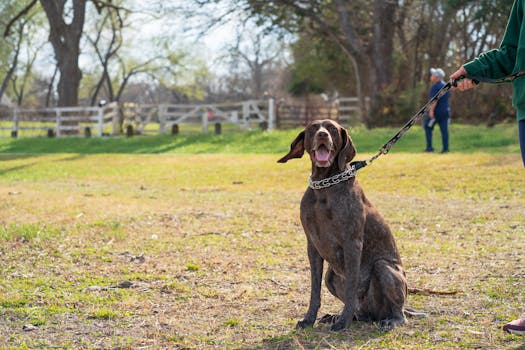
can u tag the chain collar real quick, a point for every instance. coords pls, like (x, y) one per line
(330, 181)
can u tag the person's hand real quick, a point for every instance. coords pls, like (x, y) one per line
(431, 114)
(463, 84)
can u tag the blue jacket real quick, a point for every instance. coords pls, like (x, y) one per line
(442, 109)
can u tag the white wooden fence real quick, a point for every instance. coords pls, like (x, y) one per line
(242, 114)
(113, 118)
(65, 119)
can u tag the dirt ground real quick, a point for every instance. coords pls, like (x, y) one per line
(194, 252)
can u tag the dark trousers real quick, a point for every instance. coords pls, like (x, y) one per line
(442, 121)
(521, 136)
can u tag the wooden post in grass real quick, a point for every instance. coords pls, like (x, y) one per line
(87, 132)
(14, 133)
(204, 122)
(218, 128)
(162, 109)
(245, 115)
(175, 129)
(100, 121)
(50, 133)
(57, 115)
(271, 114)
(129, 130)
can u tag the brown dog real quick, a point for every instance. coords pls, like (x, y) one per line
(342, 227)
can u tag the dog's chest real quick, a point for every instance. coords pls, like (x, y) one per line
(330, 208)
(327, 221)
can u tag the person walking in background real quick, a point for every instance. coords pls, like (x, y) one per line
(439, 112)
(508, 59)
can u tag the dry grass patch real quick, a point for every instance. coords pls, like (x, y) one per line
(207, 251)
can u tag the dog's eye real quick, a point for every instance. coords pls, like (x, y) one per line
(313, 128)
(331, 128)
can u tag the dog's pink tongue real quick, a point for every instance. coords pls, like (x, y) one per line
(322, 154)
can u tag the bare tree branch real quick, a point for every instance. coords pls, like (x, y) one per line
(22, 13)
(14, 63)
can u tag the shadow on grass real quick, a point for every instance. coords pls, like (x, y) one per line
(464, 138)
(16, 168)
(189, 143)
(17, 156)
(320, 337)
(7, 157)
(71, 158)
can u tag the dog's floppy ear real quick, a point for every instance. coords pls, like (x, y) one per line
(347, 152)
(296, 149)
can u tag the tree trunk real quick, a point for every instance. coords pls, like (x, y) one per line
(69, 81)
(50, 87)
(104, 80)
(380, 60)
(353, 48)
(257, 75)
(9, 75)
(14, 63)
(65, 39)
(361, 98)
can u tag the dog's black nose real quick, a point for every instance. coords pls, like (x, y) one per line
(321, 133)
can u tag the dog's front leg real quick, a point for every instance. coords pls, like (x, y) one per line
(316, 274)
(352, 263)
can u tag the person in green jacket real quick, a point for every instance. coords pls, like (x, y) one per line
(494, 64)
(498, 63)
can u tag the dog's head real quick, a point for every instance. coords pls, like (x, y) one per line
(327, 143)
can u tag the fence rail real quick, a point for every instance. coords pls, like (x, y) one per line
(116, 118)
(56, 121)
(344, 110)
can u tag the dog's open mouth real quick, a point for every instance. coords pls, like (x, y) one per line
(323, 156)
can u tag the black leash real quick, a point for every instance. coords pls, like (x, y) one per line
(450, 84)
(506, 79)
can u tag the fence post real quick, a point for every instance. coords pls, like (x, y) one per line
(204, 121)
(100, 121)
(235, 117)
(129, 130)
(57, 112)
(162, 118)
(271, 114)
(14, 133)
(246, 114)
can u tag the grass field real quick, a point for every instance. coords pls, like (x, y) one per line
(104, 244)
(466, 139)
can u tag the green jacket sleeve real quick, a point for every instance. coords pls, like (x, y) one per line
(501, 62)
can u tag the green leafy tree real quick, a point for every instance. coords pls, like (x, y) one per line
(363, 30)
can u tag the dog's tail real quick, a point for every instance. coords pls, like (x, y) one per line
(418, 314)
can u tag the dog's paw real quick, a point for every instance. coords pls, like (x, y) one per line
(303, 324)
(340, 325)
(391, 323)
